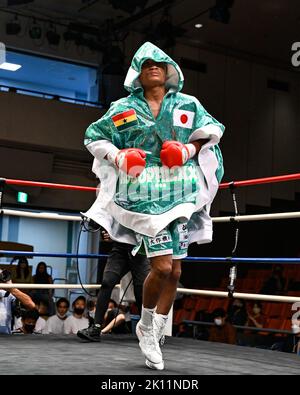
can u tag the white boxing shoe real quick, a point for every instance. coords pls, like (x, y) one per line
(148, 344)
(159, 324)
(155, 366)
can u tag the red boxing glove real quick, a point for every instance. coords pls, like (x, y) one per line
(131, 161)
(174, 153)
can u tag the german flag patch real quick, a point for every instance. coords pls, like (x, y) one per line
(125, 120)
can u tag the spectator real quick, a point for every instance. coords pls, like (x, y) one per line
(275, 285)
(115, 320)
(29, 320)
(119, 263)
(237, 312)
(256, 318)
(91, 311)
(41, 308)
(22, 274)
(42, 277)
(55, 324)
(222, 331)
(7, 300)
(76, 321)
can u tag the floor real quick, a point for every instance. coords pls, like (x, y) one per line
(118, 354)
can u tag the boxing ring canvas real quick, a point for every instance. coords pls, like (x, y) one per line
(120, 355)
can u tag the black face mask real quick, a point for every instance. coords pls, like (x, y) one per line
(29, 328)
(78, 310)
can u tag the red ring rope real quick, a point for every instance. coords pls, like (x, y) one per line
(257, 181)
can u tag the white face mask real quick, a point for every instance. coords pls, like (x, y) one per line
(296, 328)
(92, 314)
(218, 321)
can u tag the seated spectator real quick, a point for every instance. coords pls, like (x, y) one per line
(42, 277)
(40, 307)
(222, 331)
(91, 310)
(29, 320)
(76, 321)
(275, 285)
(114, 320)
(22, 274)
(55, 324)
(237, 312)
(256, 317)
(7, 301)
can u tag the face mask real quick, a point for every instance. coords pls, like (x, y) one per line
(296, 329)
(218, 321)
(29, 328)
(92, 314)
(78, 310)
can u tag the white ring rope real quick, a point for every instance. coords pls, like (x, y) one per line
(240, 218)
(42, 215)
(259, 217)
(186, 291)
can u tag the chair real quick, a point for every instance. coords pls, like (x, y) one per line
(275, 310)
(189, 303)
(202, 304)
(217, 303)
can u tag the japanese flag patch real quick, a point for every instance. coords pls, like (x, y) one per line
(183, 118)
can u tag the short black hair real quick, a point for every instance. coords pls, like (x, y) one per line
(30, 315)
(63, 300)
(77, 299)
(114, 302)
(219, 313)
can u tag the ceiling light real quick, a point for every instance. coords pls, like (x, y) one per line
(198, 25)
(10, 66)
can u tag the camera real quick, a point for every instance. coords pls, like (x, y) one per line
(5, 276)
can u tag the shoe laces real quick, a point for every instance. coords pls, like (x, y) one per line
(158, 328)
(150, 339)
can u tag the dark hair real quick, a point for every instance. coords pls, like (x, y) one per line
(38, 300)
(114, 302)
(22, 259)
(77, 300)
(30, 315)
(91, 303)
(41, 278)
(62, 300)
(242, 301)
(219, 313)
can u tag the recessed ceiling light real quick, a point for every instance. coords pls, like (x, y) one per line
(198, 26)
(10, 66)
